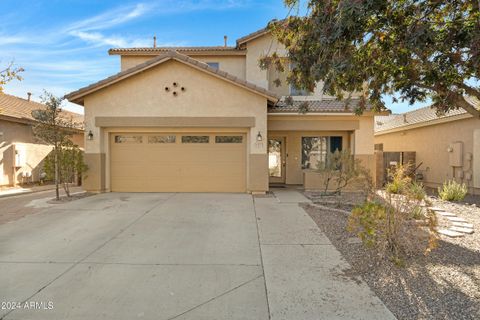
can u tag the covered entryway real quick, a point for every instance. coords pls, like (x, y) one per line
(178, 162)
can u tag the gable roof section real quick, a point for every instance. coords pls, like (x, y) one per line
(17, 109)
(77, 96)
(210, 50)
(252, 36)
(421, 117)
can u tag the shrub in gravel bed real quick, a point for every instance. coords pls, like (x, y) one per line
(397, 226)
(442, 285)
(452, 191)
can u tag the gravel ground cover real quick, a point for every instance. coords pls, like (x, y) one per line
(442, 285)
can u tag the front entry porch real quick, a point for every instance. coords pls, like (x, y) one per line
(293, 155)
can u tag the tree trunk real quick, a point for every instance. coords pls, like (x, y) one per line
(66, 188)
(57, 193)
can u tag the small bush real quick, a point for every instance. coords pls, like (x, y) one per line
(397, 225)
(452, 191)
(369, 216)
(416, 191)
(398, 180)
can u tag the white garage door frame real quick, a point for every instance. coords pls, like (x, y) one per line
(108, 132)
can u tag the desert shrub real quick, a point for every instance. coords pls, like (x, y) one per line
(398, 179)
(416, 191)
(452, 191)
(397, 225)
(342, 170)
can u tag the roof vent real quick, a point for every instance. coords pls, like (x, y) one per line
(154, 41)
(405, 118)
(29, 95)
(225, 38)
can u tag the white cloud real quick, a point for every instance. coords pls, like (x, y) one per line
(4, 39)
(98, 38)
(109, 19)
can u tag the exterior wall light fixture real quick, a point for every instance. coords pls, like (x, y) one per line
(90, 135)
(259, 136)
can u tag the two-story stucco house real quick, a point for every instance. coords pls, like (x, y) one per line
(208, 119)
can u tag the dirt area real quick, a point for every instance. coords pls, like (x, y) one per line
(443, 285)
(345, 201)
(73, 197)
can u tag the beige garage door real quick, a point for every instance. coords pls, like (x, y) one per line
(178, 162)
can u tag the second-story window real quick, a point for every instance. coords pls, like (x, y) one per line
(298, 92)
(214, 65)
(294, 91)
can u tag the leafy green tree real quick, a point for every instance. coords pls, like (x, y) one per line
(413, 49)
(70, 165)
(9, 73)
(56, 129)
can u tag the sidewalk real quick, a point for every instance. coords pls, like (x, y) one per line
(306, 276)
(20, 190)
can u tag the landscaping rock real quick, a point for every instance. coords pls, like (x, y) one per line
(450, 233)
(462, 224)
(462, 229)
(446, 213)
(456, 219)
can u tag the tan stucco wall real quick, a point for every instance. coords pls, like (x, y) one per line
(31, 153)
(430, 144)
(235, 65)
(127, 62)
(94, 178)
(265, 45)
(256, 49)
(242, 66)
(143, 95)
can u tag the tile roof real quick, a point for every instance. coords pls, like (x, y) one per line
(252, 36)
(21, 109)
(159, 50)
(317, 106)
(76, 96)
(422, 115)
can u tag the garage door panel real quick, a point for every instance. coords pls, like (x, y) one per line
(177, 167)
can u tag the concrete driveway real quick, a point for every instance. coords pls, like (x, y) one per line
(175, 256)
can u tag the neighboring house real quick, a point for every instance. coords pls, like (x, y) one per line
(447, 147)
(206, 119)
(21, 153)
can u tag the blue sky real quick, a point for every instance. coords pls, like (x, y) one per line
(63, 44)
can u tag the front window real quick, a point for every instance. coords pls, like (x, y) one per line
(315, 150)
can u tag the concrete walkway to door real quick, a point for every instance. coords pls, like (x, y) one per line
(303, 270)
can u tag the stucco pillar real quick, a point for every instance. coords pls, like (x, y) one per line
(94, 178)
(476, 158)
